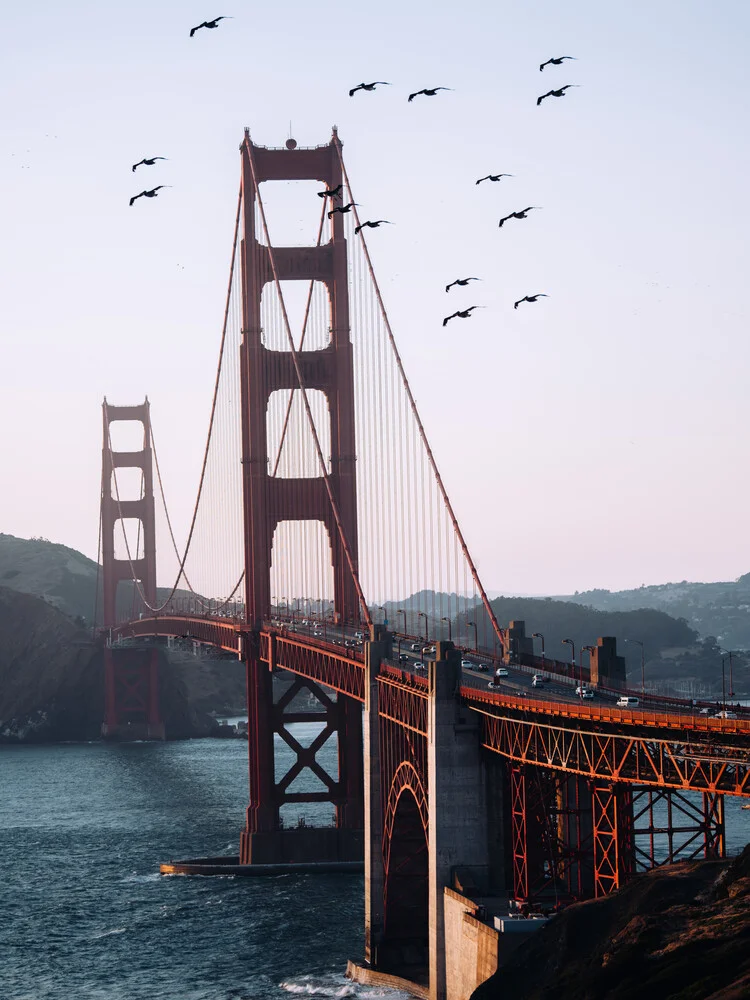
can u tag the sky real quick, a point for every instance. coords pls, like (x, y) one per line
(597, 438)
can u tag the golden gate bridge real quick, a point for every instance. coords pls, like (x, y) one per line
(323, 523)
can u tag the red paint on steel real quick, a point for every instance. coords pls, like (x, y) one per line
(330, 498)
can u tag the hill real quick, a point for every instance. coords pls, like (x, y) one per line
(52, 679)
(712, 609)
(680, 932)
(63, 577)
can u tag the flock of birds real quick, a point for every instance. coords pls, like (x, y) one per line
(521, 214)
(336, 193)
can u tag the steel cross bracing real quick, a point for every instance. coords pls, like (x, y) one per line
(645, 748)
(709, 763)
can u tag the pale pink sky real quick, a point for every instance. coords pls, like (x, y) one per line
(598, 438)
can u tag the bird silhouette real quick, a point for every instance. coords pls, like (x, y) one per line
(493, 177)
(331, 192)
(372, 225)
(146, 162)
(555, 62)
(555, 93)
(462, 314)
(209, 24)
(530, 298)
(368, 86)
(517, 215)
(343, 209)
(427, 92)
(460, 281)
(149, 194)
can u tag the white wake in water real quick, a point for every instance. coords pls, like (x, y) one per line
(338, 986)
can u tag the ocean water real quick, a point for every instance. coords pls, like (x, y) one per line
(84, 914)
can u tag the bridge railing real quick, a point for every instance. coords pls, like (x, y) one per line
(610, 713)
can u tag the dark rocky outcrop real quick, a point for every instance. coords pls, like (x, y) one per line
(677, 933)
(52, 679)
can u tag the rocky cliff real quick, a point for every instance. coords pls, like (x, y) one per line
(677, 933)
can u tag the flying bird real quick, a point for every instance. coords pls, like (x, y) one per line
(460, 281)
(372, 225)
(342, 208)
(146, 162)
(331, 192)
(427, 93)
(517, 215)
(368, 86)
(209, 24)
(555, 62)
(555, 93)
(530, 298)
(493, 177)
(462, 314)
(149, 194)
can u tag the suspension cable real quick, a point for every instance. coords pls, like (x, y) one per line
(181, 570)
(431, 458)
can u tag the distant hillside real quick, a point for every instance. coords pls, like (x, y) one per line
(62, 576)
(721, 610)
(52, 679)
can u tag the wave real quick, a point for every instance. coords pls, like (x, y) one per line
(337, 986)
(109, 933)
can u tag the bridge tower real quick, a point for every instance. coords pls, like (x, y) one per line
(131, 682)
(269, 500)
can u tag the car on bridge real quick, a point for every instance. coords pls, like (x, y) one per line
(416, 647)
(419, 667)
(584, 692)
(627, 701)
(725, 715)
(538, 680)
(502, 672)
(403, 657)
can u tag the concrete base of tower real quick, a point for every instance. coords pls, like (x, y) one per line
(129, 732)
(305, 845)
(230, 865)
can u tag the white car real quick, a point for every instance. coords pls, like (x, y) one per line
(419, 667)
(584, 692)
(502, 672)
(725, 715)
(416, 647)
(467, 664)
(627, 701)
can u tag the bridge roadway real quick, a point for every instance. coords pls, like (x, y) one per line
(667, 743)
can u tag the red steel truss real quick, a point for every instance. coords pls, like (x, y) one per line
(687, 761)
(670, 826)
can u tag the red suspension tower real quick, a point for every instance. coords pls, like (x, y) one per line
(270, 500)
(131, 679)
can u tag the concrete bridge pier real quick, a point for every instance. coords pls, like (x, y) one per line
(458, 813)
(375, 651)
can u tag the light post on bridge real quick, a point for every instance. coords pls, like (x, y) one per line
(402, 612)
(449, 627)
(422, 614)
(723, 687)
(538, 635)
(381, 607)
(730, 654)
(476, 641)
(589, 650)
(569, 642)
(638, 642)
